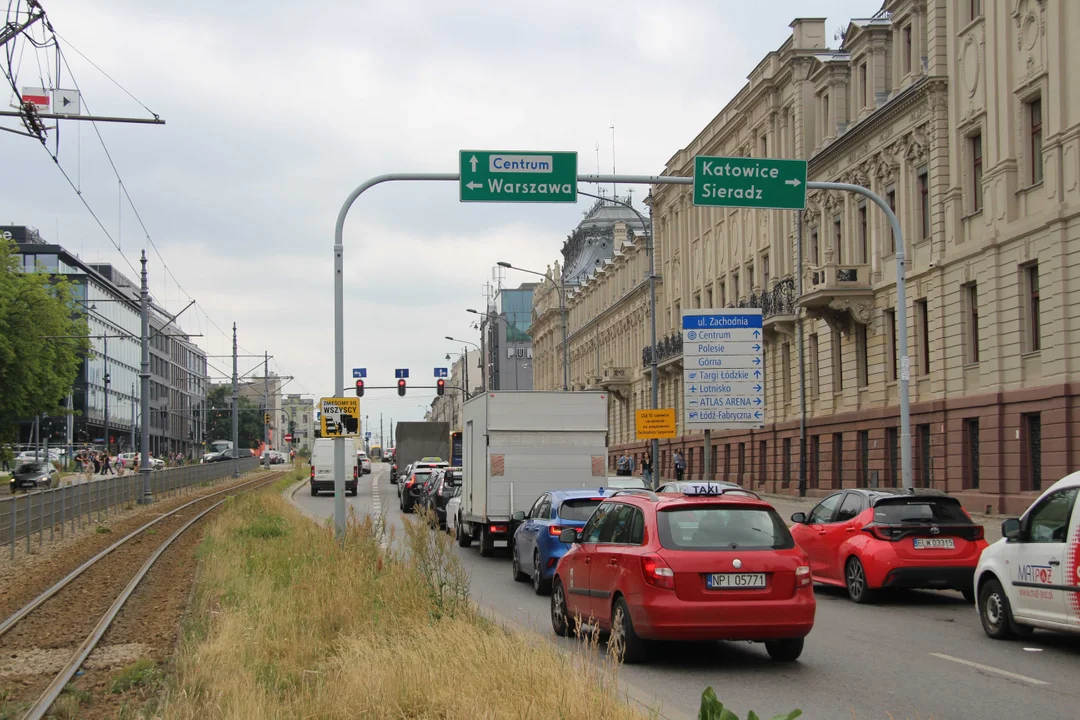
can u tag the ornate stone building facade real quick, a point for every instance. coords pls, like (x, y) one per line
(969, 127)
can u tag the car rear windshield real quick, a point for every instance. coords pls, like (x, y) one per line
(580, 510)
(920, 510)
(718, 527)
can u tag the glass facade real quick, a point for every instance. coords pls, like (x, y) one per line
(517, 308)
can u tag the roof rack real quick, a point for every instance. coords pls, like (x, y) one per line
(636, 491)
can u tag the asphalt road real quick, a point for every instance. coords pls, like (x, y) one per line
(914, 655)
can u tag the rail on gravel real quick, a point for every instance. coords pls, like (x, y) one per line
(52, 692)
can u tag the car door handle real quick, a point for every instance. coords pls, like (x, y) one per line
(821, 532)
(1054, 562)
(851, 530)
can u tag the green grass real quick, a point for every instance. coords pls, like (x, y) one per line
(138, 674)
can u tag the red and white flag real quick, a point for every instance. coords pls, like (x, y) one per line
(38, 96)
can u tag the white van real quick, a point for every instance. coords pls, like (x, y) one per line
(1031, 577)
(322, 467)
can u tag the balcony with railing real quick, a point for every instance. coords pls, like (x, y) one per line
(777, 306)
(616, 380)
(668, 350)
(833, 288)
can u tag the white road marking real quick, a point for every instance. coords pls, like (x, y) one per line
(987, 668)
(376, 507)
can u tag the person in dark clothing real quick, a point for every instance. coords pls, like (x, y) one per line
(680, 464)
(646, 467)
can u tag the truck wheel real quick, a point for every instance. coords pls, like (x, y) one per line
(463, 538)
(487, 545)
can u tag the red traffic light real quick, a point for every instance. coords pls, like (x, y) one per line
(440, 386)
(401, 386)
(359, 388)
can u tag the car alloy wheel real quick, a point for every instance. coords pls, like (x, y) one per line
(540, 585)
(628, 646)
(559, 621)
(855, 579)
(994, 611)
(515, 566)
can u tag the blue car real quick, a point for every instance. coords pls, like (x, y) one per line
(537, 548)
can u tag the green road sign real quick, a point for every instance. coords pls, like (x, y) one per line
(518, 176)
(750, 183)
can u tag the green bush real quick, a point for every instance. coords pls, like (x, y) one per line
(713, 709)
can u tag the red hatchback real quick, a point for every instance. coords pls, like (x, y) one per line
(867, 539)
(683, 567)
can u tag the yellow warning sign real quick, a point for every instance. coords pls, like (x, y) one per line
(340, 416)
(655, 424)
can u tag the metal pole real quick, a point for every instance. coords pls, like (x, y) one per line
(133, 416)
(70, 428)
(105, 378)
(799, 352)
(37, 438)
(483, 357)
(339, 375)
(144, 389)
(235, 410)
(565, 366)
(707, 451)
(655, 376)
(901, 320)
(266, 398)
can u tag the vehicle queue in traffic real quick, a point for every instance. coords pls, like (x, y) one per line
(699, 560)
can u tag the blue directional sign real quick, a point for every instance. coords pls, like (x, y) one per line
(723, 369)
(441, 373)
(401, 373)
(358, 373)
(367, 435)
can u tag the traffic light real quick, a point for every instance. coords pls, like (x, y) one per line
(359, 388)
(440, 386)
(401, 387)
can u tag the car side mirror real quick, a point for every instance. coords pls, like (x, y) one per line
(518, 516)
(1010, 529)
(799, 517)
(568, 536)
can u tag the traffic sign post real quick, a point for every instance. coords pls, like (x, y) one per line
(517, 176)
(655, 424)
(288, 438)
(358, 373)
(723, 369)
(401, 373)
(441, 373)
(339, 416)
(750, 183)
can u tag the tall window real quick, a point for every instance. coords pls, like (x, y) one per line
(907, 49)
(891, 436)
(1035, 120)
(750, 277)
(971, 302)
(861, 359)
(976, 172)
(923, 187)
(838, 460)
(785, 369)
(864, 254)
(815, 386)
(837, 362)
(1033, 450)
(735, 286)
(763, 449)
(1031, 283)
(697, 300)
(786, 462)
(708, 297)
(742, 460)
(838, 236)
(890, 198)
(825, 124)
(814, 246)
(862, 86)
(723, 294)
(971, 452)
(923, 434)
(974, 9)
(890, 322)
(922, 325)
(864, 458)
(765, 271)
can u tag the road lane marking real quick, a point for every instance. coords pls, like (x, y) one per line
(987, 668)
(376, 506)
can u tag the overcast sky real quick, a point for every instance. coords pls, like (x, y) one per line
(275, 111)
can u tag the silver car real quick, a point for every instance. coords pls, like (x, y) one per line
(35, 475)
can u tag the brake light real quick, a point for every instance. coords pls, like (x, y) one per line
(312, 472)
(802, 575)
(881, 532)
(657, 573)
(354, 472)
(410, 481)
(556, 530)
(497, 528)
(979, 533)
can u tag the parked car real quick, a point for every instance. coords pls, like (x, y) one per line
(364, 461)
(444, 483)
(626, 482)
(398, 479)
(393, 473)
(416, 486)
(230, 454)
(872, 539)
(1030, 578)
(536, 548)
(453, 510)
(685, 567)
(34, 476)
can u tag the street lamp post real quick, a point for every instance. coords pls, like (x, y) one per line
(466, 360)
(562, 310)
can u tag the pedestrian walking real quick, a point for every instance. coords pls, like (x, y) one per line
(107, 467)
(96, 457)
(647, 467)
(680, 464)
(624, 465)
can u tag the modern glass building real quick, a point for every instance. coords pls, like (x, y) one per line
(510, 351)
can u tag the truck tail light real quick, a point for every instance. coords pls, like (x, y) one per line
(657, 573)
(355, 472)
(497, 528)
(802, 576)
(312, 472)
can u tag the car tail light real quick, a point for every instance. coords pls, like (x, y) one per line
(409, 482)
(497, 528)
(312, 472)
(978, 533)
(881, 532)
(657, 573)
(355, 471)
(556, 530)
(802, 575)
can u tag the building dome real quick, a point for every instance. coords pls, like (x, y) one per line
(593, 240)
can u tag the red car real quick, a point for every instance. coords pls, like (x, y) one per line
(868, 539)
(684, 567)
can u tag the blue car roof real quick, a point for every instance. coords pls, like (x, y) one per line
(576, 493)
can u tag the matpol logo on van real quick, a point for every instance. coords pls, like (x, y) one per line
(1043, 574)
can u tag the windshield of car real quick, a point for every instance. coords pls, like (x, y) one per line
(32, 468)
(718, 527)
(580, 510)
(627, 483)
(916, 510)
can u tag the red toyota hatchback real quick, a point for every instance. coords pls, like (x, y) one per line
(684, 567)
(868, 539)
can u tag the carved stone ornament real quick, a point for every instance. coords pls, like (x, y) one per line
(829, 253)
(861, 310)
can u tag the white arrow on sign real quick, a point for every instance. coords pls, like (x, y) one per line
(794, 181)
(473, 161)
(474, 185)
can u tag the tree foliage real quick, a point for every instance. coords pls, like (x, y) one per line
(219, 417)
(36, 373)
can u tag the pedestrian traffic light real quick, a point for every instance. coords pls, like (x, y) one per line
(401, 387)
(359, 388)
(440, 386)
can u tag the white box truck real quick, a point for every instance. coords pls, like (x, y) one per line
(519, 445)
